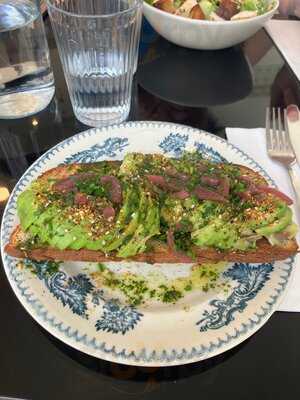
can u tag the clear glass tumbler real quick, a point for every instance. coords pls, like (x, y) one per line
(26, 79)
(98, 45)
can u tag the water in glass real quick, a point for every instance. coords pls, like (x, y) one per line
(98, 44)
(26, 79)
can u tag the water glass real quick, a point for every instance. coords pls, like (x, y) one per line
(26, 79)
(98, 45)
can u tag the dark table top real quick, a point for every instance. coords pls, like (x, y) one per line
(208, 90)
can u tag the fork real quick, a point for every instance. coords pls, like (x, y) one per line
(279, 146)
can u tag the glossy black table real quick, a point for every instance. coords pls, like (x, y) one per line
(208, 90)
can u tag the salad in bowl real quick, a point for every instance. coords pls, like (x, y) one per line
(214, 10)
(208, 24)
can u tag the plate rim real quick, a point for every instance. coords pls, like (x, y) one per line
(81, 342)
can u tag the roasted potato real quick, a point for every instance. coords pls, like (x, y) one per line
(165, 5)
(196, 12)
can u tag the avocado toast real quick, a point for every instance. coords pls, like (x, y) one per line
(153, 209)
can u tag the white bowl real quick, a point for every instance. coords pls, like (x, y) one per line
(203, 34)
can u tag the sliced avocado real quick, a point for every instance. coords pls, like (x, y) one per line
(190, 203)
(204, 213)
(94, 244)
(269, 218)
(281, 209)
(244, 244)
(149, 224)
(280, 237)
(139, 217)
(42, 226)
(131, 199)
(28, 209)
(78, 244)
(217, 234)
(134, 201)
(65, 234)
(172, 211)
(129, 231)
(79, 238)
(291, 230)
(61, 242)
(52, 229)
(278, 225)
(131, 163)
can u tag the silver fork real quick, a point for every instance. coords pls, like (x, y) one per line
(279, 146)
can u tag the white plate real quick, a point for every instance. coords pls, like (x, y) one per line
(68, 305)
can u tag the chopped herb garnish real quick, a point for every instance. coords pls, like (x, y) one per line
(101, 267)
(137, 289)
(171, 296)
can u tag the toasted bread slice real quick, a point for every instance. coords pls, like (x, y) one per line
(159, 253)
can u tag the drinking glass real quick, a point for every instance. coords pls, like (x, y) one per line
(26, 78)
(98, 45)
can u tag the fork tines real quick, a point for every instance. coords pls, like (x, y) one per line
(277, 137)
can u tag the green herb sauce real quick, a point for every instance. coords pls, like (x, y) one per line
(138, 289)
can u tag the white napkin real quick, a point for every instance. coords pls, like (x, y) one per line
(285, 35)
(253, 142)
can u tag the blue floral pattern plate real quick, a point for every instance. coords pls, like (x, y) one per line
(68, 303)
